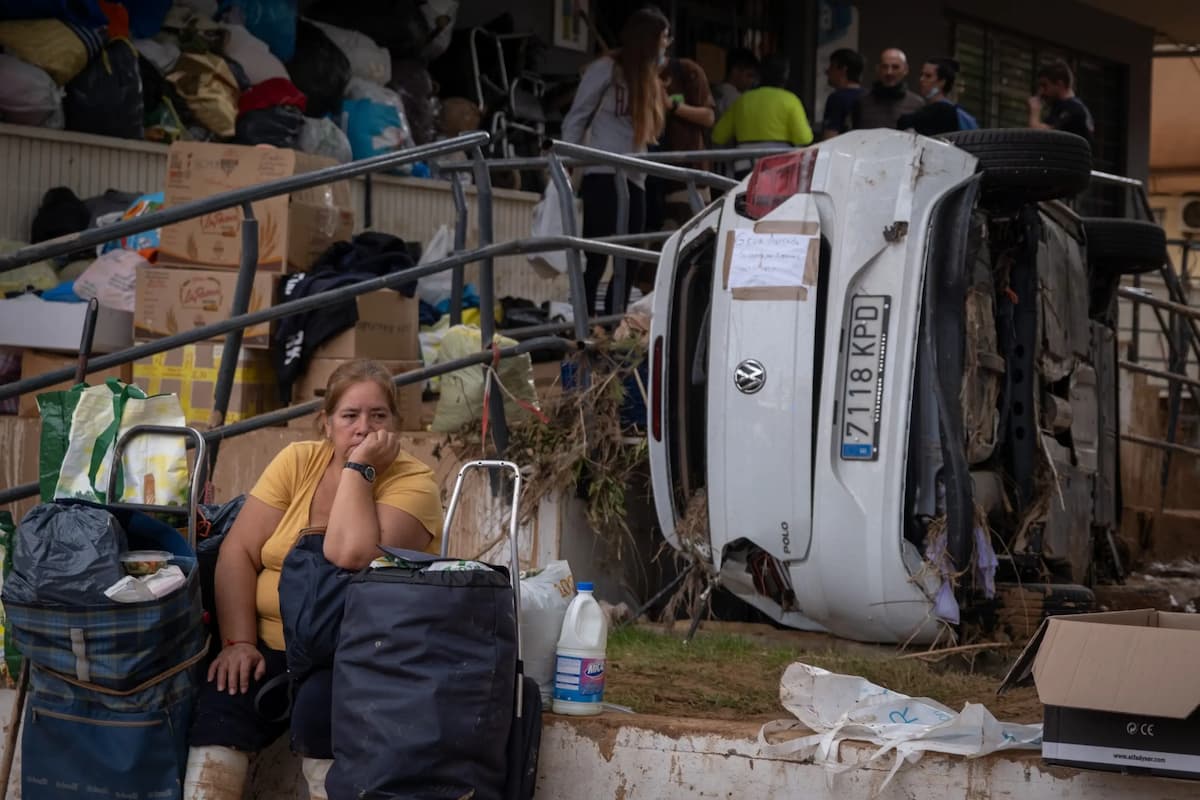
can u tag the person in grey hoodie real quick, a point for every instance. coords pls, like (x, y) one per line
(620, 106)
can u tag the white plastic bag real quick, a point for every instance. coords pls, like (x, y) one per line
(436, 287)
(154, 468)
(840, 707)
(367, 59)
(112, 279)
(545, 595)
(253, 55)
(28, 95)
(322, 137)
(374, 121)
(548, 221)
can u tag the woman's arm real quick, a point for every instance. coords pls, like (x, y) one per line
(238, 565)
(595, 82)
(357, 524)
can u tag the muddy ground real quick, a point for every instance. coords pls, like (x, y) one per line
(731, 671)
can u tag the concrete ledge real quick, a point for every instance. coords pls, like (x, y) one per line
(627, 757)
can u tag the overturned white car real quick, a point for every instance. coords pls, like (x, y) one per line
(883, 377)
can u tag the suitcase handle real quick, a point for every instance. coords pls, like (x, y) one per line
(199, 474)
(514, 556)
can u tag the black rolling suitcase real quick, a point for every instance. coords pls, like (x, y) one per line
(429, 699)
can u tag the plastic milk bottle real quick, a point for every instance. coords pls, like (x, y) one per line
(579, 666)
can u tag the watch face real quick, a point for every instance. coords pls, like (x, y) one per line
(369, 473)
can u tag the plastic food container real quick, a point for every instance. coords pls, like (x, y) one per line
(144, 562)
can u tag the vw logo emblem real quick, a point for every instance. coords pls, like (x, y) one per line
(750, 376)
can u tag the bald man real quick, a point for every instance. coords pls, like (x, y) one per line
(889, 98)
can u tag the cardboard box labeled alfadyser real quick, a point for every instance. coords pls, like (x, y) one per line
(1120, 690)
(293, 230)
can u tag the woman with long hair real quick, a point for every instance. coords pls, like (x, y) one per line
(620, 107)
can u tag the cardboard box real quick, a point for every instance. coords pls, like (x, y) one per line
(30, 321)
(312, 387)
(191, 372)
(173, 299)
(1120, 690)
(36, 362)
(292, 230)
(388, 329)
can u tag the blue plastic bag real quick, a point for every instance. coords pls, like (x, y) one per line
(273, 21)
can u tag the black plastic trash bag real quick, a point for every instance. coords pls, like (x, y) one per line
(65, 554)
(320, 70)
(279, 126)
(106, 98)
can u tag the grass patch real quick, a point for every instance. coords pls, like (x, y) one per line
(728, 676)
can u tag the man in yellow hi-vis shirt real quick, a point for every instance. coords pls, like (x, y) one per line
(767, 115)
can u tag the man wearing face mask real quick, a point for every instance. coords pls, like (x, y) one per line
(940, 114)
(889, 99)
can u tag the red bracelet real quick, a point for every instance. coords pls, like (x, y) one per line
(232, 642)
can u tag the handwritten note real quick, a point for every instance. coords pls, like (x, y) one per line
(768, 259)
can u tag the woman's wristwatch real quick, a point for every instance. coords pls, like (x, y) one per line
(366, 470)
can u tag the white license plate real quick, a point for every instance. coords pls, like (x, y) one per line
(864, 360)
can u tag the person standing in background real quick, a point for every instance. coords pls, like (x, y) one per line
(618, 107)
(688, 102)
(1055, 85)
(741, 74)
(940, 114)
(889, 99)
(844, 71)
(767, 115)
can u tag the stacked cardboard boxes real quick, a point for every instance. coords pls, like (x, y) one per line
(194, 281)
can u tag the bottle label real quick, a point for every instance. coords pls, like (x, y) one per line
(579, 680)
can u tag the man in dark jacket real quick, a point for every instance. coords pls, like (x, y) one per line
(889, 99)
(1067, 112)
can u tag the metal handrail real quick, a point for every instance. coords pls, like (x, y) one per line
(394, 280)
(271, 418)
(660, 157)
(638, 164)
(1141, 296)
(236, 197)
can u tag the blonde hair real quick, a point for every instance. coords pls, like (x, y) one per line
(638, 62)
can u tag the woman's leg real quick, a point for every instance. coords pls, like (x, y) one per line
(312, 725)
(227, 728)
(637, 224)
(215, 773)
(599, 194)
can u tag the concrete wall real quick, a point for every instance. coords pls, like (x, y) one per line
(922, 28)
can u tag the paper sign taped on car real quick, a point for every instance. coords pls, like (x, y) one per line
(771, 265)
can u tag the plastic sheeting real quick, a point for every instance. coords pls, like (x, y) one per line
(834, 708)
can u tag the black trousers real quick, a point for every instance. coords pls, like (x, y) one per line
(599, 193)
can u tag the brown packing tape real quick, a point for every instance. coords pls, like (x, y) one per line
(786, 226)
(729, 239)
(811, 261)
(795, 293)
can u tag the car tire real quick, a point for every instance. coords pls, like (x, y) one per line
(1124, 246)
(1028, 165)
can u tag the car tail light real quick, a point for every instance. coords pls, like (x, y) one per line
(656, 399)
(778, 177)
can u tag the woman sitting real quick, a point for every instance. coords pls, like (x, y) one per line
(357, 485)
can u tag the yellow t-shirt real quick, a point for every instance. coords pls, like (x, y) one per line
(288, 484)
